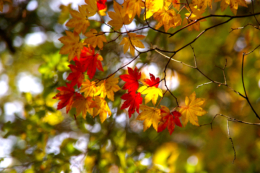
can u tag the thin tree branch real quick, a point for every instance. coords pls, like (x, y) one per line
(229, 137)
(243, 82)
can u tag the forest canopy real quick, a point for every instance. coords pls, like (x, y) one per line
(129, 86)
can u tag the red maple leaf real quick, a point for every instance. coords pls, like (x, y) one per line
(90, 61)
(152, 81)
(131, 79)
(169, 121)
(133, 101)
(66, 96)
(101, 4)
(76, 76)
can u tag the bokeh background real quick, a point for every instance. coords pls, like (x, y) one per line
(35, 137)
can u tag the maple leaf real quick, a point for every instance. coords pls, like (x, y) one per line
(101, 4)
(151, 89)
(65, 13)
(132, 40)
(108, 87)
(133, 101)
(91, 7)
(95, 39)
(131, 79)
(202, 4)
(79, 21)
(66, 97)
(118, 17)
(72, 45)
(100, 108)
(152, 6)
(233, 4)
(89, 88)
(152, 81)
(150, 116)
(169, 119)
(90, 61)
(133, 8)
(83, 105)
(196, 14)
(167, 18)
(192, 109)
(76, 76)
(152, 93)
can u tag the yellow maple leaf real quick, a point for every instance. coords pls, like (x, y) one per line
(196, 14)
(150, 116)
(91, 7)
(233, 4)
(153, 6)
(100, 108)
(95, 39)
(108, 87)
(119, 18)
(79, 21)
(192, 109)
(133, 8)
(152, 93)
(2, 4)
(167, 18)
(135, 41)
(89, 88)
(202, 4)
(65, 13)
(83, 105)
(72, 45)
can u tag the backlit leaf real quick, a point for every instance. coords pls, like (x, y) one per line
(150, 115)
(192, 109)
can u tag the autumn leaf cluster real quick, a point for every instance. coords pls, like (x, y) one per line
(90, 95)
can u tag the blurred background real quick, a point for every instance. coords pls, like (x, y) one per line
(35, 137)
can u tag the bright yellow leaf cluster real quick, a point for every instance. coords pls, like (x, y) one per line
(94, 101)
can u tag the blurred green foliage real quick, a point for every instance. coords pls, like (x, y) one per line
(38, 138)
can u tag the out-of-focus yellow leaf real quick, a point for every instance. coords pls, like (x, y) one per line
(165, 156)
(53, 118)
(202, 4)
(233, 4)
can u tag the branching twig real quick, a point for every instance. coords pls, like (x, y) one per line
(229, 137)
(243, 82)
